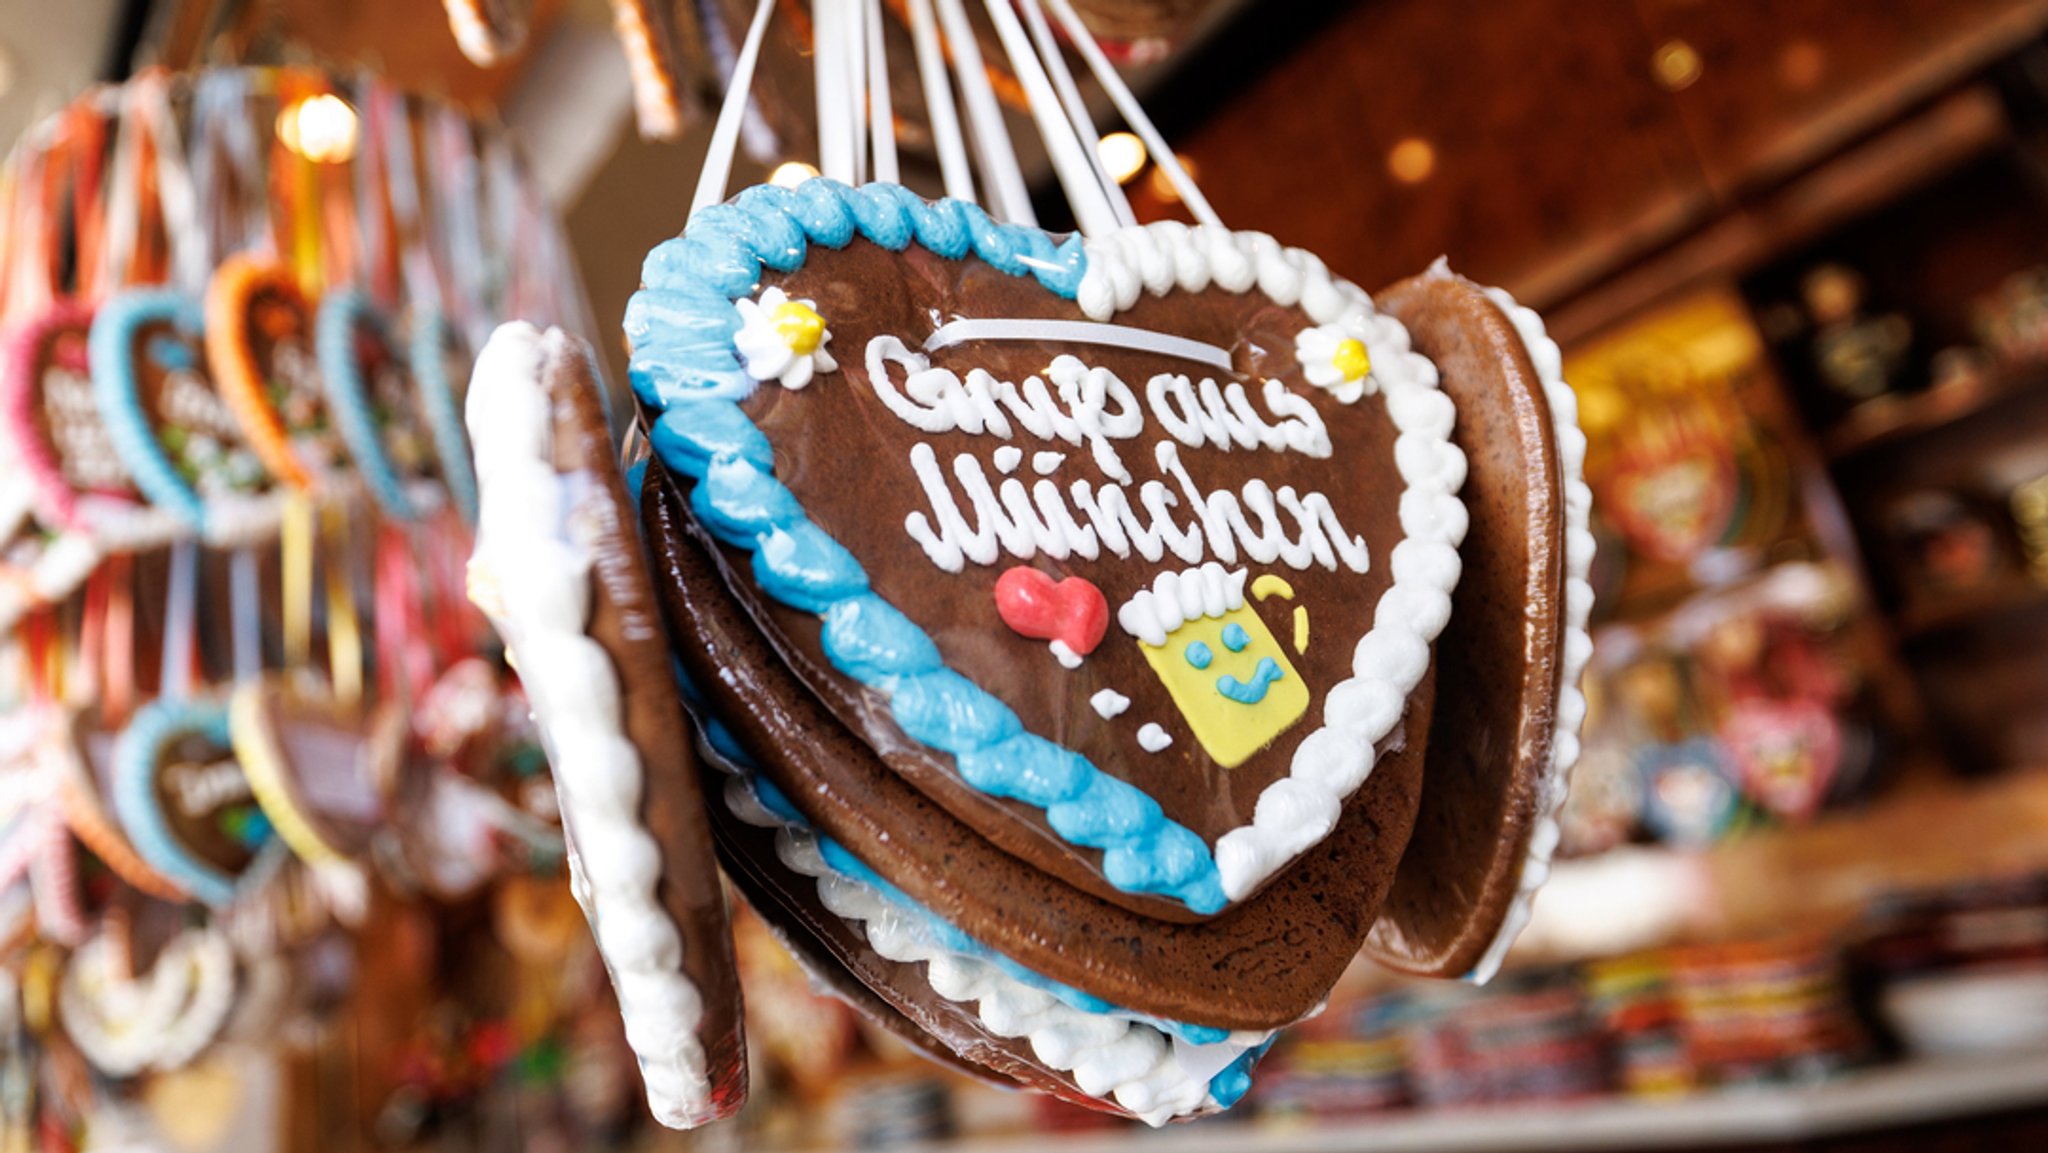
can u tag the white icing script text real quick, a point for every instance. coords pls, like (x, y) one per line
(1092, 407)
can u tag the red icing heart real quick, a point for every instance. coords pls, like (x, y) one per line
(1073, 611)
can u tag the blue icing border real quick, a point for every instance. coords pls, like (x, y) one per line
(681, 325)
(1227, 1086)
(431, 334)
(110, 355)
(348, 395)
(135, 800)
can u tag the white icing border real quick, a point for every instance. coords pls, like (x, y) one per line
(1176, 598)
(1299, 810)
(1578, 608)
(539, 573)
(1131, 1062)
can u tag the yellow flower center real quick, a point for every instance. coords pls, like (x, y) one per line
(799, 326)
(1351, 359)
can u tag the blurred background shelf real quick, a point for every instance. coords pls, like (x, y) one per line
(1896, 1097)
(1983, 604)
(1894, 419)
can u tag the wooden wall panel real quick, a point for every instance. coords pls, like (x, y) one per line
(1780, 82)
(1553, 146)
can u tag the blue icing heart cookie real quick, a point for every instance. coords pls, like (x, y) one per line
(789, 324)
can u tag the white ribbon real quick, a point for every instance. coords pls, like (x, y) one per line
(938, 100)
(1078, 332)
(1134, 114)
(881, 114)
(1008, 198)
(1069, 155)
(725, 135)
(1076, 108)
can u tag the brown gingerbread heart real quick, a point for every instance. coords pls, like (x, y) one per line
(1267, 963)
(1232, 446)
(558, 569)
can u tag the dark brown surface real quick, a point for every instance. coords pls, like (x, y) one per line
(192, 757)
(1782, 81)
(846, 458)
(1497, 660)
(1563, 151)
(1554, 149)
(624, 621)
(1260, 965)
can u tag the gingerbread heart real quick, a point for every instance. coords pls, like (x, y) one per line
(79, 754)
(168, 422)
(1673, 492)
(375, 407)
(1508, 666)
(998, 1016)
(81, 481)
(879, 405)
(319, 768)
(185, 800)
(1689, 794)
(1786, 752)
(259, 348)
(440, 371)
(557, 568)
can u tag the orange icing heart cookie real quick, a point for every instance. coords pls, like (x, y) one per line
(259, 345)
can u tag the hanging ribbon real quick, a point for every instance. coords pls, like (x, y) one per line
(344, 628)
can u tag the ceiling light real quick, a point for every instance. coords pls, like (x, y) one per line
(320, 128)
(791, 173)
(1123, 156)
(1412, 160)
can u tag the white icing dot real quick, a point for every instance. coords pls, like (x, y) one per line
(1109, 703)
(1046, 463)
(1067, 657)
(1008, 457)
(1152, 738)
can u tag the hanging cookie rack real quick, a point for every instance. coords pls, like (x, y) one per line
(236, 663)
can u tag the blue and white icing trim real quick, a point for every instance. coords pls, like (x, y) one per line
(109, 350)
(226, 517)
(1578, 609)
(682, 325)
(1155, 1069)
(343, 314)
(432, 336)
(137, 755)
(533, 574)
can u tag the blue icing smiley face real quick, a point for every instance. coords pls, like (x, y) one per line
(1236, 639)
(1253, 691)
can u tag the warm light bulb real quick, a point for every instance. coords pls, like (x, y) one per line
(320, 128)
(791, 173)
(1412, 160)
(1123, 156)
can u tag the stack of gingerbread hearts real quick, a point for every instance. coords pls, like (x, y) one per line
(1092, 642)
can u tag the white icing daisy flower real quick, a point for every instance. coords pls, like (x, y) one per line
(1334, 357)
(782, 339)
